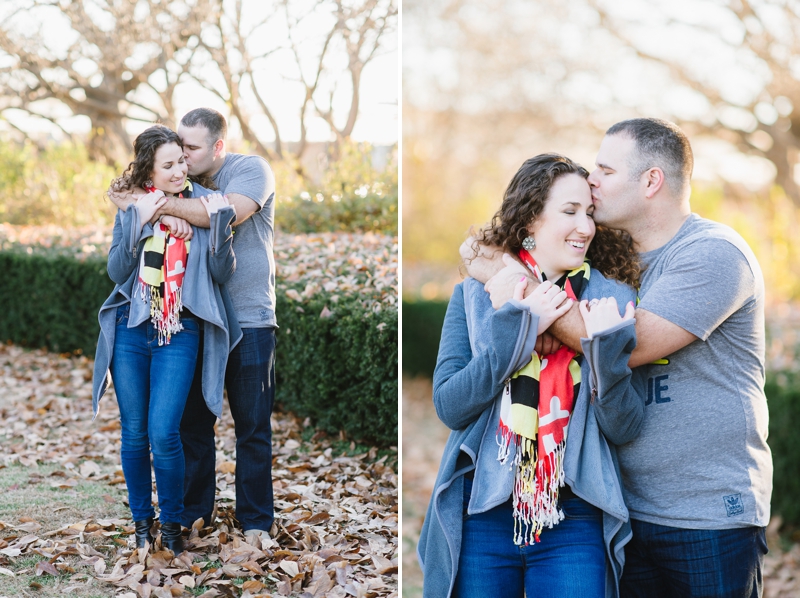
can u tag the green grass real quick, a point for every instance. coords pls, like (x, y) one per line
(26, 492)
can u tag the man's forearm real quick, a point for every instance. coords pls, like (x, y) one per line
(657, 338)
(190, 209)
(569, 328)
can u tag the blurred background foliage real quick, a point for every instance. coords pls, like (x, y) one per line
(351, 195)
(55, 184)
(60, 184)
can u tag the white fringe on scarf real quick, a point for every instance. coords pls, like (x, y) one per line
(532, 511)
(165, 326)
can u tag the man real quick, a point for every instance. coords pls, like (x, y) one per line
(698, 479)
(249, 185)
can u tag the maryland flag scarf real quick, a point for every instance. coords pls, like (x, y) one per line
(161, 270)
(535, 408)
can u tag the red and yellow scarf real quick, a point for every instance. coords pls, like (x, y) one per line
(161, 270)
(535, 409)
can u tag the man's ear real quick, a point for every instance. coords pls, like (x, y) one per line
(219, 146)
(654, 181)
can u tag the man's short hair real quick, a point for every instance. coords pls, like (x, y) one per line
(210, 119)
(658, 143)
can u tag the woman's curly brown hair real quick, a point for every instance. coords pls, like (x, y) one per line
(144, 156)
(611, 251)
(145, 147)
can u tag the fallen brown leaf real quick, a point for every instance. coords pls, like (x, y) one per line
(335, 511)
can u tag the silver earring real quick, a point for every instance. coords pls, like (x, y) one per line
(529, 243)
(148, 183)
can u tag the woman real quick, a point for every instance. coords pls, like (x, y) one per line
(528, 500)
(168, 294)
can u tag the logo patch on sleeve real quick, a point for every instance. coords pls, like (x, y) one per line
(733, 504)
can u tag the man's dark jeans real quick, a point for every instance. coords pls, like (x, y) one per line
(250, 382)
(662, 562)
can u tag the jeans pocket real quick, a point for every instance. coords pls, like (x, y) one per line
(123, 311)
(191, 325)
(577, 508)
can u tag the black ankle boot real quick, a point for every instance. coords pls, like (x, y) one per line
(142, 530)
(171, 537)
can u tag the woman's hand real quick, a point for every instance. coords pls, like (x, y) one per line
(178, 227)
(546, 301)
(149, 203)
(601, 314)
(214, 203)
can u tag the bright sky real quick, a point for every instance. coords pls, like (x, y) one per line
(378, 113)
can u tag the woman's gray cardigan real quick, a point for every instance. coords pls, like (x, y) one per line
(210, 265)
(479, 349)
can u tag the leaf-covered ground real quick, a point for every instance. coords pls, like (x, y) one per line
(423, 441)
(65, 529)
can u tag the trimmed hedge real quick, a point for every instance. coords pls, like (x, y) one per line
(52, 302)
(783, 399)
(422, 328)
(340, 371)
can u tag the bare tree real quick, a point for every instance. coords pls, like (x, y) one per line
(119, 52)
(361, 28)
(760, 115)
(125, 60)
(311, 55)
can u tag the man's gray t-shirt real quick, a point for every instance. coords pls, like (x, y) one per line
(702, 460)
(252, 287)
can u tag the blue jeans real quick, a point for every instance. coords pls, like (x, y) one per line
(250, 382)
(151, 385)
(663, 561)
(568, 561)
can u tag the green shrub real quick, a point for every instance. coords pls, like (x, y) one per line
(55, 185)
(340, 371)
(783, 399)
(52, 302)
(349, 213)
(352, 196)
(422, 329)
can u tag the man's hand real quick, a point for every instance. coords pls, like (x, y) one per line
(178, 227)
(601, 314)
(501, 286)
